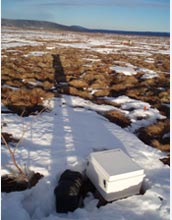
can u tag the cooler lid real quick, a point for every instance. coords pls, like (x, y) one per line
(115, 164)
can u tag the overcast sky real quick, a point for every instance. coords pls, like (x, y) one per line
(135, 15)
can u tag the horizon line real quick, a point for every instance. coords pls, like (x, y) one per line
(90, 29)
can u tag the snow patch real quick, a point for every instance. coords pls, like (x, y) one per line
(125, 70)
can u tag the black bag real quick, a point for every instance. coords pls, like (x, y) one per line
(68, 193)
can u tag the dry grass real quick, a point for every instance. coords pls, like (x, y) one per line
(154, 135)
(78, 83)
(118, 118)
(25, 100)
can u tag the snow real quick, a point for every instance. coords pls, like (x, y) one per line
(10, 87)
(63, 138)
(130, 70)
(74, 45)
(50, 48)
(140, 113)
(35, 53)
(36, 83)
(16, 39)
(150, 60)
(92, 59)
(167, 52)
(139, 53)
(125, 70)
(79, 102)
(149, 74)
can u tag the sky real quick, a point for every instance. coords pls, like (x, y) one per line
(133, 15)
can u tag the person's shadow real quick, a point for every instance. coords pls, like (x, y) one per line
(59, 74)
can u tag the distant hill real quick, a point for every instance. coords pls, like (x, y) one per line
(31, 24)
(45, 25)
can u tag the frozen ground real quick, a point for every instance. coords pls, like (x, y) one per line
(64, 137)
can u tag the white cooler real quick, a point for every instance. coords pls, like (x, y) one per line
(114, 174)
